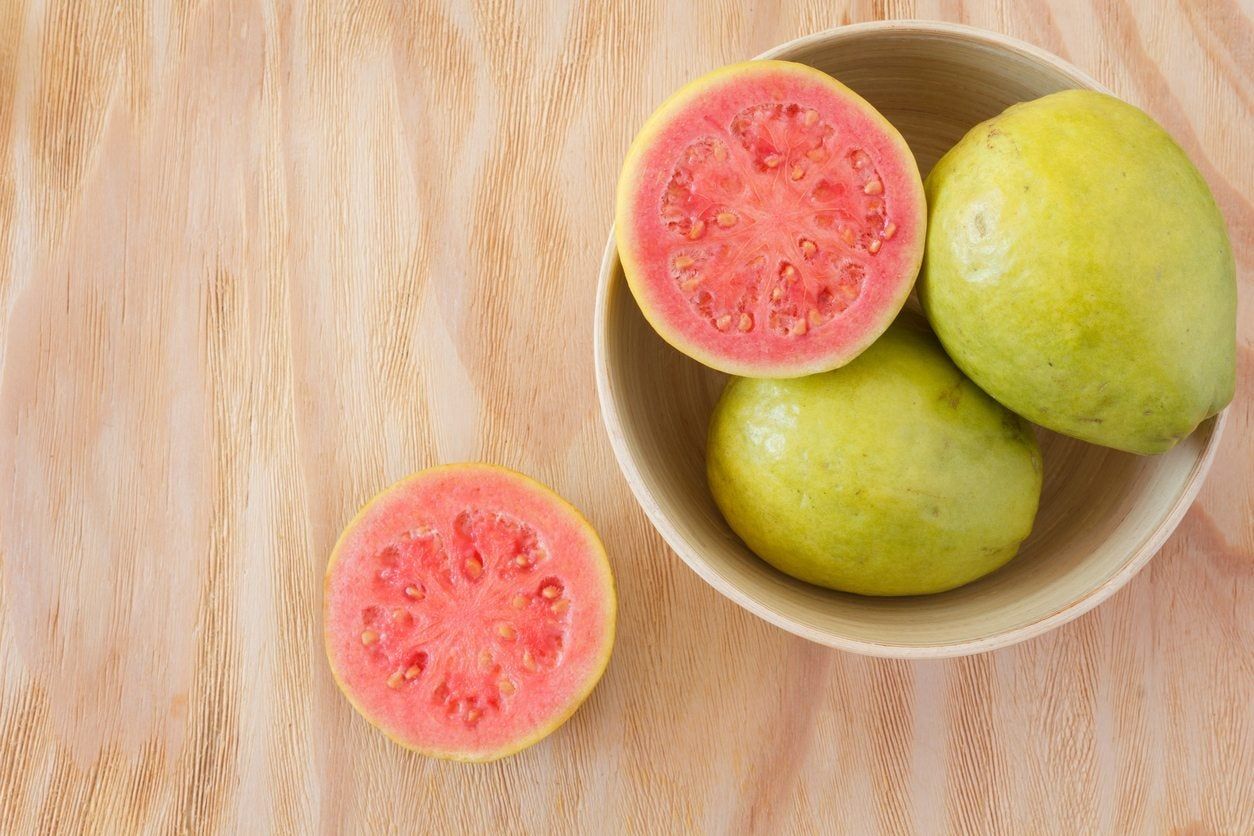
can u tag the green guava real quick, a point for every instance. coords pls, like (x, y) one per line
(469, 611)
(1078, 270)
(894, 475)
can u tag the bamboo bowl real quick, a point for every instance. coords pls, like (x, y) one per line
(1103, 514)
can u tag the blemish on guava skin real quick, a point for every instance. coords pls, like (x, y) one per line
(993, 133)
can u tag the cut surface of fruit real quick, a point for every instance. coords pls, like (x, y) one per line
(469, 611)
(770, 221)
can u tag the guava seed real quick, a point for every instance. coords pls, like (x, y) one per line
(414, 592)
(396, 680)
(507, 686)
(519, 602)
(873, 187)
(369, 637)
(726, 219)
(550, 592)
(561, 606)
(506, 631)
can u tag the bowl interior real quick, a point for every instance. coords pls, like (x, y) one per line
(1102, 513)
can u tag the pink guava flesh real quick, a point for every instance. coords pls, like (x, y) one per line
(469, 610)
(770, 221)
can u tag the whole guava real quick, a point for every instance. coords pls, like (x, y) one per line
(894, 475)
(1078, 270)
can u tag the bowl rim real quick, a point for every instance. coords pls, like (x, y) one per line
(1149, 546)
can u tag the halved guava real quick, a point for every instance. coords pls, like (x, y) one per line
(770, 221)
(469, 611)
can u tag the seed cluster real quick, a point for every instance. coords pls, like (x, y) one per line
(777, 222)
(464, 617)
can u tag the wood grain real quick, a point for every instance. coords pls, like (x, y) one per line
(258, 260)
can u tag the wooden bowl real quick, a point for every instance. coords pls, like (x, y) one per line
(1103, 514)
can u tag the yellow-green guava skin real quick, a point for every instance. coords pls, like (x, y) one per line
(894, 475)
(1078, 269)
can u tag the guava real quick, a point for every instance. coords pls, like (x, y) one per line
(469, 611)
(894, 475)
(770, 222)
(1079, 271)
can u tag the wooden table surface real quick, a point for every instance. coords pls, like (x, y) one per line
(258, 261)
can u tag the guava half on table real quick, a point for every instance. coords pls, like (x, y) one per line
(469, 611)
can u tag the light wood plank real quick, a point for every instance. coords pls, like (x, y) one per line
(257, 260)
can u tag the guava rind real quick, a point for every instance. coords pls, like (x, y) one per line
(1079, 271)
(894, 475)
(598, 564)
